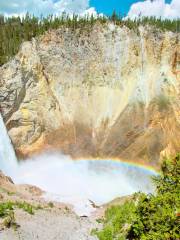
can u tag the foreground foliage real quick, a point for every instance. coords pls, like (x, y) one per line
(15, 30)
(7, 211)
(148, 217)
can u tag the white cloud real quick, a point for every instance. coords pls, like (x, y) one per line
(156, 8)
(45, 7)
(71, 6)
(89, 12)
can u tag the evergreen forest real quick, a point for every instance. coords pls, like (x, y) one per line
(15, 30)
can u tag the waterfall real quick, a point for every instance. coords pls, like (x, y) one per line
(8, 161)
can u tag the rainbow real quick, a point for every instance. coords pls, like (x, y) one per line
(144, 167)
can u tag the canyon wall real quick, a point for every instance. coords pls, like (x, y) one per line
(104, 92)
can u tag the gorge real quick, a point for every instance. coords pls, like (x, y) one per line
(79, 183)
(87, 115)
(107, 92)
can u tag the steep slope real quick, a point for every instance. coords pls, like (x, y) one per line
(54, 220)
(106, 92)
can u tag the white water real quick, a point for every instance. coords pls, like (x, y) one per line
(8, 161)
(77, 182)
(74, 182)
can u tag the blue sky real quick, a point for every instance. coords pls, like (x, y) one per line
(108, 6)
(121, 6)
(134, 8)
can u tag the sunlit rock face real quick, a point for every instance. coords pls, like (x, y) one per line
(105, 92)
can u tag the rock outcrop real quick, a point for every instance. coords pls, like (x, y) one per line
(107, 92)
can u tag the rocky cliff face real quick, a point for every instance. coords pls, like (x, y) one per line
(107, 92)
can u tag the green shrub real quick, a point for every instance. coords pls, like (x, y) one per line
(117, 221)
(7, 214)
(26, 207)
(7, 211)
(5, 208)
(149, 217)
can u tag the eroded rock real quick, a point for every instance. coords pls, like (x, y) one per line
(108, 93)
